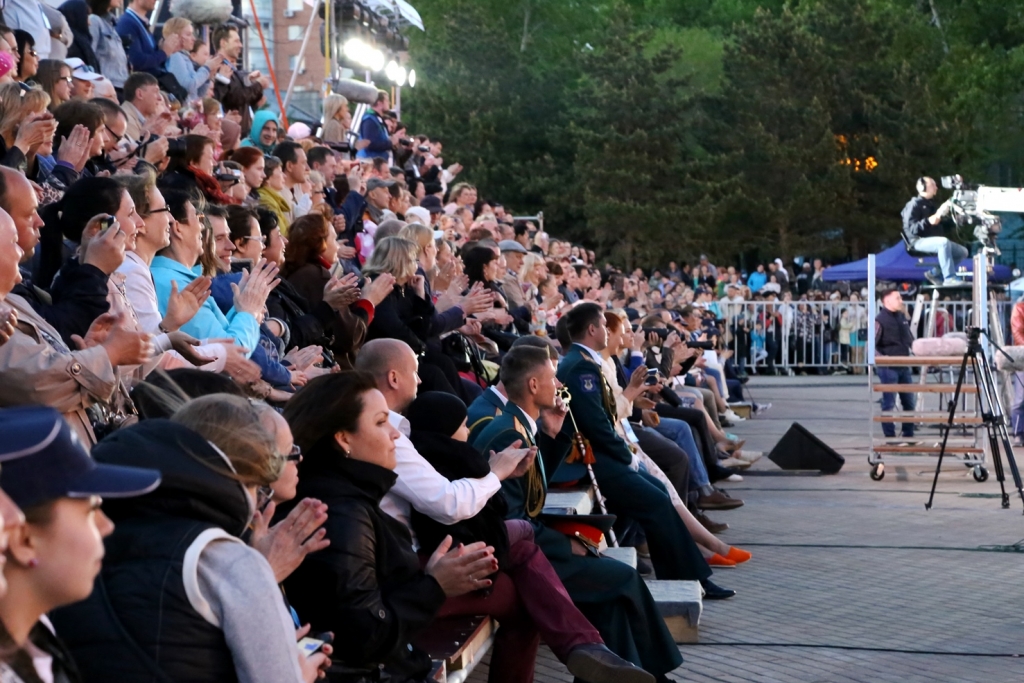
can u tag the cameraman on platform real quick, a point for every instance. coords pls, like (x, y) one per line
(922, 227)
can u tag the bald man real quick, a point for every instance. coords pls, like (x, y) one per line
(75, 300)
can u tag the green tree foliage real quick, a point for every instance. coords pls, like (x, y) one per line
(657, 129)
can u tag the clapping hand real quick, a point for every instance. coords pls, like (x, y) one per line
(8, 321)
(286, 544)
(252, 291)
(123, 346)
(375, 290)
(74, 149)
(462, 569)
(302, 359)
(182, 306)
(342, 292)
(185, 345)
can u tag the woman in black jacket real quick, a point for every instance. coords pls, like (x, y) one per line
(367, 586)
(336, 319)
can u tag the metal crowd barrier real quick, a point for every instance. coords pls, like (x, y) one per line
(819, 336)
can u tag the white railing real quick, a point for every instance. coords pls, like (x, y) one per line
(821, 335)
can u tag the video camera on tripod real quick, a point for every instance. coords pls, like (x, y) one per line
(967, 209)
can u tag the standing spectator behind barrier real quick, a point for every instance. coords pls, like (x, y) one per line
(144, 54)
(337, 119)
(76, 12)
(374, 141)
(28, 15)
(196, 80)
(893, 338)
(106, 43)
(239, 92)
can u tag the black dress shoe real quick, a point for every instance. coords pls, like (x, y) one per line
(595, 663)
(714, 592)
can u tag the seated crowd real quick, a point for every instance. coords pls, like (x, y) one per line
(254, 391)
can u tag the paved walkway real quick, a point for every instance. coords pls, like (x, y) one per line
(852, 580)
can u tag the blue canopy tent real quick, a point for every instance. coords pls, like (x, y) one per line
(896, 265)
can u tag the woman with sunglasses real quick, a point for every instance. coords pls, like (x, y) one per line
(28, 59)
(193, 601)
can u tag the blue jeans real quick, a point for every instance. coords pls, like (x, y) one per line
(907, 399)
(680, 432)
(1017, 380)
(949, 253)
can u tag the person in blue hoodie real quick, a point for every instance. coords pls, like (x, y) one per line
(757, 279)
(263, 134)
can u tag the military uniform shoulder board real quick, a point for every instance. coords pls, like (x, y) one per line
(483, 420)
(522, 430)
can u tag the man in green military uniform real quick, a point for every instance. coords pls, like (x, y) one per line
(630, 492)
(611, 594)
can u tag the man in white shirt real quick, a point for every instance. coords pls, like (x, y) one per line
(394, 366)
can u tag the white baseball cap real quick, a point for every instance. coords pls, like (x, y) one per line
(81, 70)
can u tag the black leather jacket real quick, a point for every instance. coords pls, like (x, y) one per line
(366, 586)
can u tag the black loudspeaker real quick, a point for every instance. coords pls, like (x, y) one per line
(798, 449)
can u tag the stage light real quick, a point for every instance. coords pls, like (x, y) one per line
(395, 73)
(356, 51)
(374, 59)
(412, 78)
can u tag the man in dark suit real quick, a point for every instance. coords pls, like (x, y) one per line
(630, 492)
(610, 593)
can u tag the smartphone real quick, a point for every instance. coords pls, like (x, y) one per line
(106, 224)
(310, 646)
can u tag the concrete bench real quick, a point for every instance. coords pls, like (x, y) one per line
(623, 554)
(680, 604)
(456, 645)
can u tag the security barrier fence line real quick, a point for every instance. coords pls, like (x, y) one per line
(825, 336)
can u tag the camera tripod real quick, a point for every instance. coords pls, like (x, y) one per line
(991, 415)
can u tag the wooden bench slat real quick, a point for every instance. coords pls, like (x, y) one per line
(924, 388)
(914, 361)
(955, 450)
(930, 419)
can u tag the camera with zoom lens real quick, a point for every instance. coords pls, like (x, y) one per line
(963, 208)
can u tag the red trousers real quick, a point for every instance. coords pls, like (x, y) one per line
(529, 602)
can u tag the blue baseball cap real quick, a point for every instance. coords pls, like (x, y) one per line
(45, 460)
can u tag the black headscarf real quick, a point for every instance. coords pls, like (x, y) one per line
(77, 14)
(434, 416)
